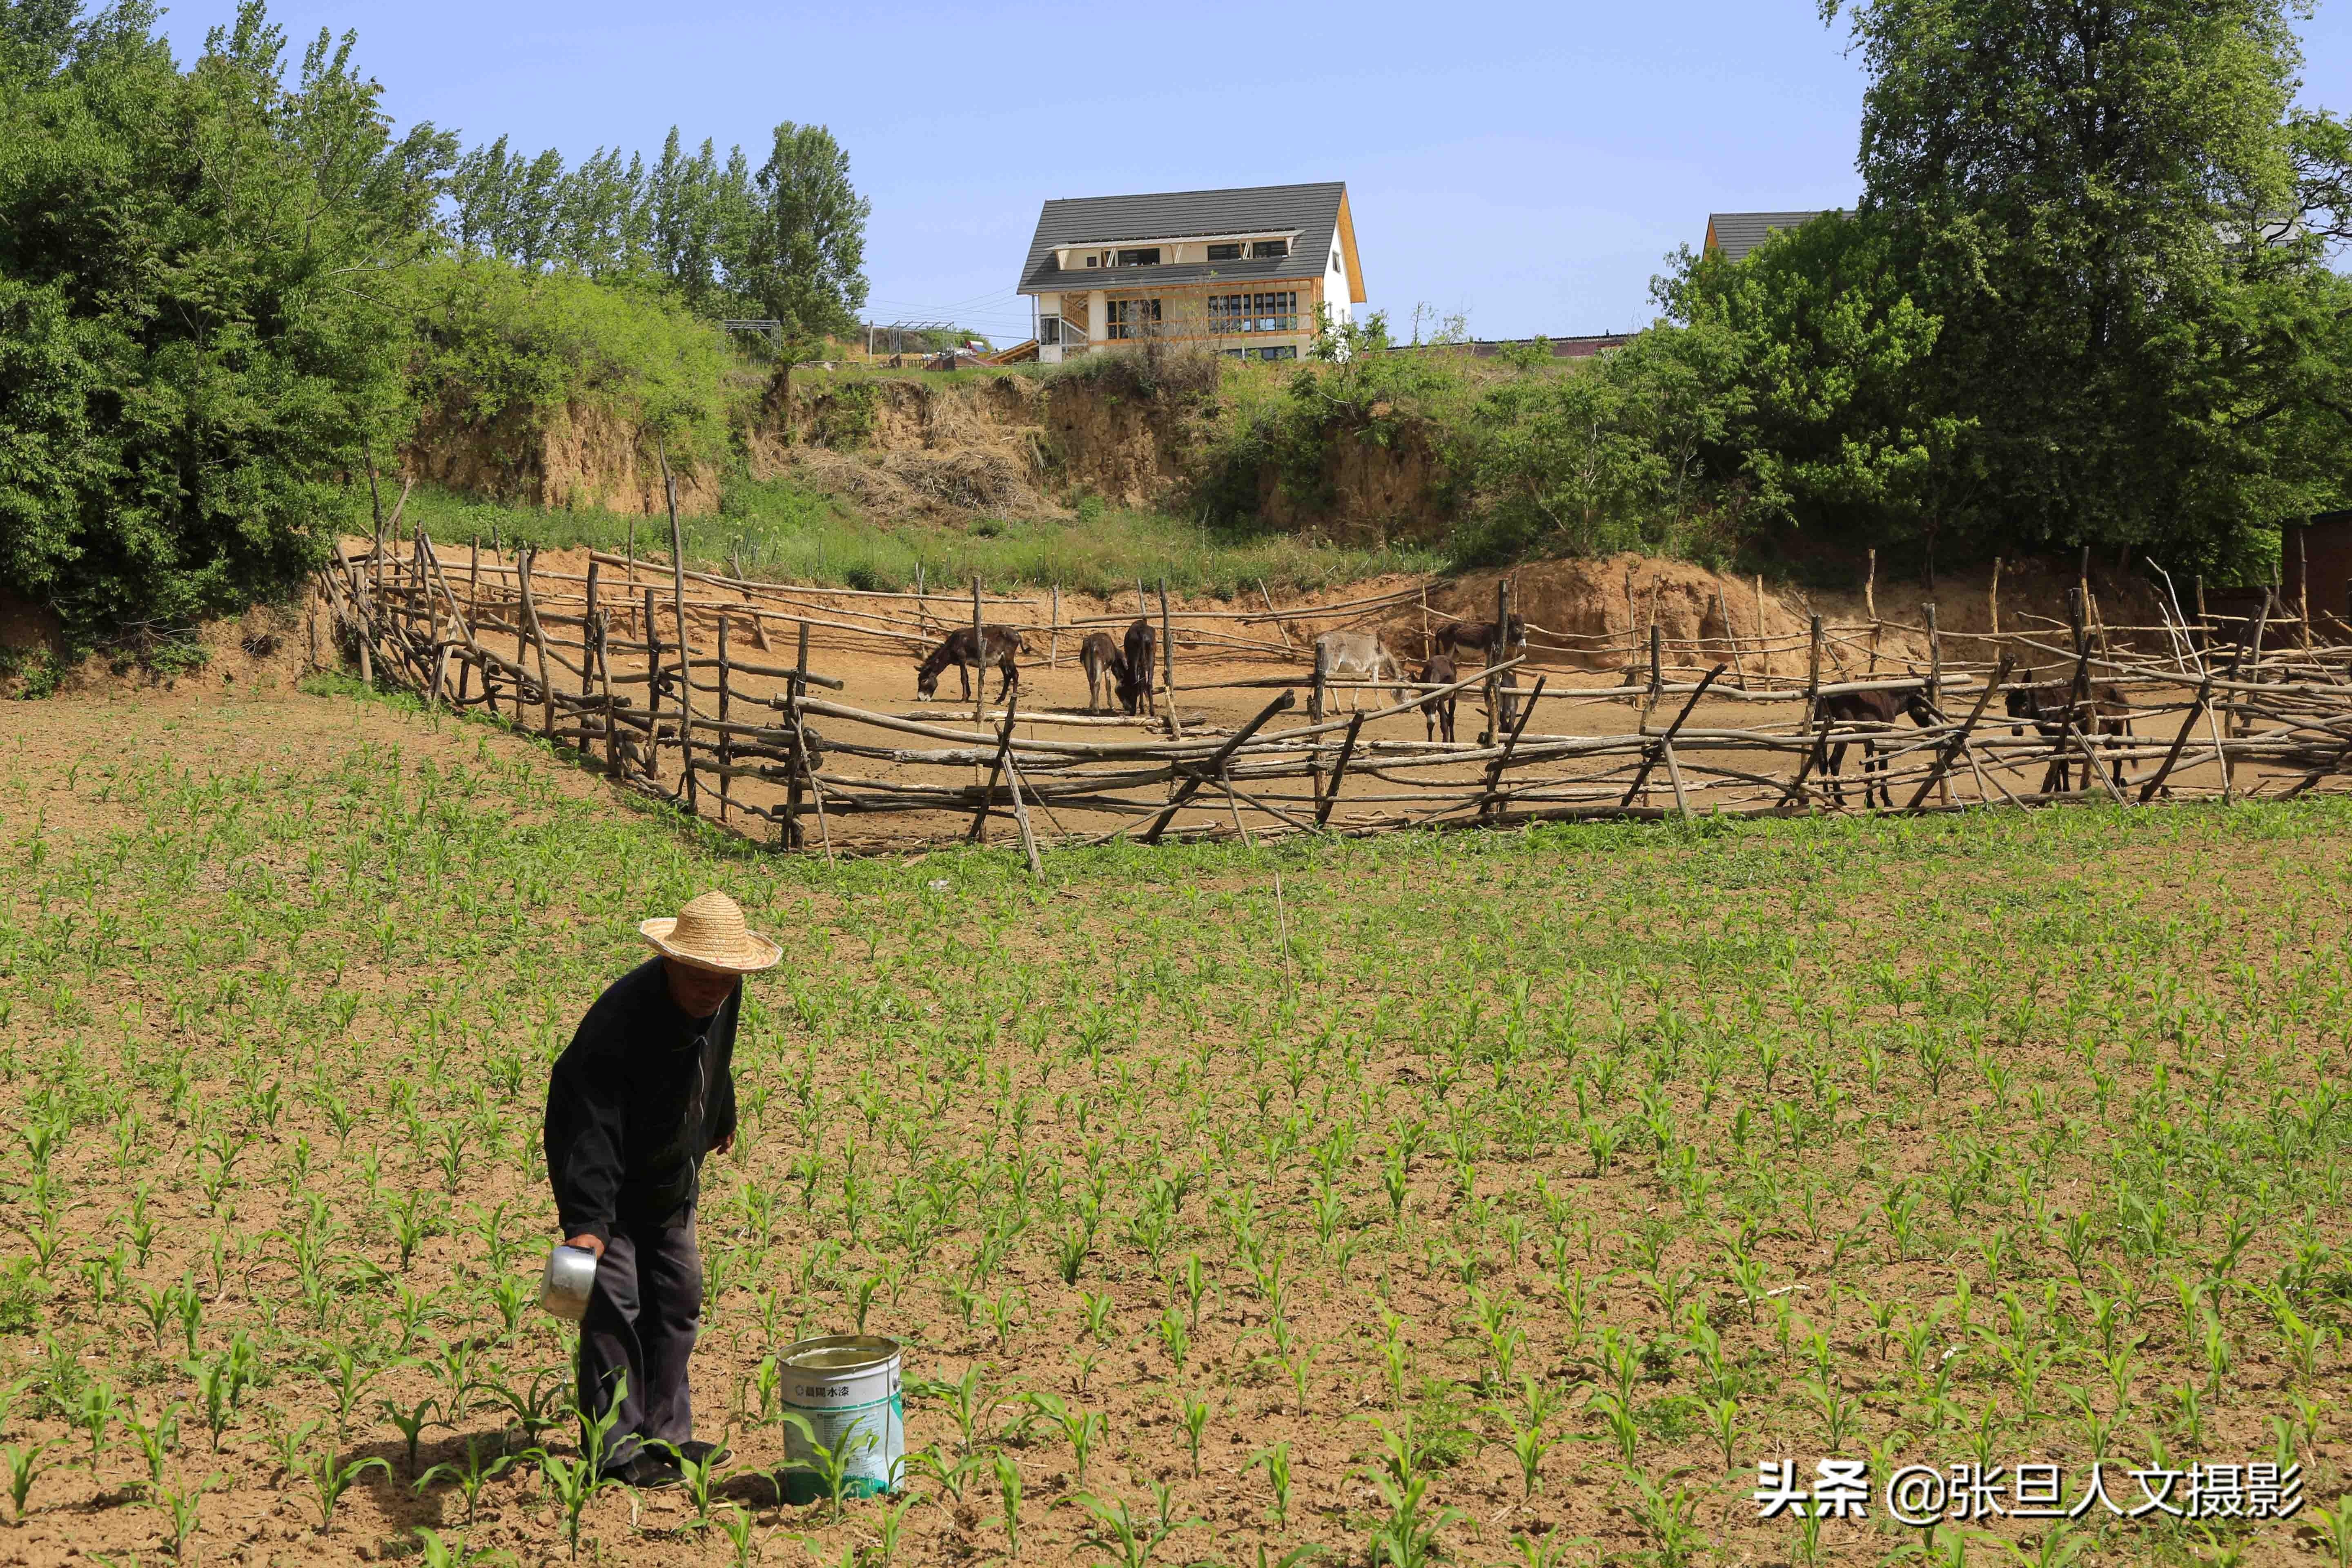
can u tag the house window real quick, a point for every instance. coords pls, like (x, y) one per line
(1149, 257)
(1335, 263)
(1131, 318)
(1225, 253)
(1254, 312)
(1269, 249)
(1049, 330)
(1287, 350)
(1094, 261)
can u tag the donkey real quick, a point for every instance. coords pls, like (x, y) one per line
(1476, 636)
(1871, 708)
(1135, 679)
(1002, 645)
(1438, 708)
(1105, 669)
(1339, 655)
(2050, 708)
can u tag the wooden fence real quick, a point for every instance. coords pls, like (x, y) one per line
(699, 689)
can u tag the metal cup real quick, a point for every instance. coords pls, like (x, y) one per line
(571, 1274)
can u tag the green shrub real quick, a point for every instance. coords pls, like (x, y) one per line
(199, 321)
(495, 343)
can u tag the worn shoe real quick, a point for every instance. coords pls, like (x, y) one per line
(695, 1451)
(650, 1471)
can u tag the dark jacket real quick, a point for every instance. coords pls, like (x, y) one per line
(636, 1100)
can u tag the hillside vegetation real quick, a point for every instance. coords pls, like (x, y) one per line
(2085, 300)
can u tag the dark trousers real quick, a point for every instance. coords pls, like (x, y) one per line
(641, 1323)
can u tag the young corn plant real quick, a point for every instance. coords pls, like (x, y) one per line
(434, 1550)
(830, 1466)
(484, 1463)
(331, 1476)
(24, 1462)
(1008, 1493)
(575, 1483)
(1135, 1540)
(179, 1510)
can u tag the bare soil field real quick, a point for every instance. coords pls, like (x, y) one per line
(1477, 1199)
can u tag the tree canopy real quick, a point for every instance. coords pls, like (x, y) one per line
(195, 330)
(2084, 298)
(228, 287)
(785, 242)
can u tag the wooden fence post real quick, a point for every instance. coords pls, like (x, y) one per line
(978, 832)
(1935, 682)
(587, 635)
(605, 684)
(1731, 637)
(1491, 801)
(685, 637)
(653, 689)
(1763, 637)
(1869, 602)
(1195, 774)
(1326, 798)
(1498, 710)
(1054, 649)
(2303, 582)
(798, 686)
(2187, 725)
(726, 741)
(1814, 674)
(1168, 663)
(523, 619)
(978, 659)
(1662, 747)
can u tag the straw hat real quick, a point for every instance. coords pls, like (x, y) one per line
(709, 933)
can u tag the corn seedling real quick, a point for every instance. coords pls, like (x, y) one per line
(25, 1467)
(483, 1464)
(180, 1510)
(1008, 1493)
(1135, 1540)
(575, 1483)
(1275, 1462)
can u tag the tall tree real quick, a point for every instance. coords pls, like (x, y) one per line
(2099, 202)
(805, 263)
(199, 325)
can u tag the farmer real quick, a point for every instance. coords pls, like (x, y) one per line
(642, 1093)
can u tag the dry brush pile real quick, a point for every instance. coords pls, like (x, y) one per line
(1483, 1199)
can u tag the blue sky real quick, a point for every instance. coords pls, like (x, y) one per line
(1525, 164)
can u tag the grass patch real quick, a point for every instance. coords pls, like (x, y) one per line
(791, 535)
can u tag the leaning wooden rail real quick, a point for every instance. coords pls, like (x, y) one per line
(649, 682)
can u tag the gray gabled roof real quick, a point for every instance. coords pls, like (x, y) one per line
(1737, 233)
(1312, 210)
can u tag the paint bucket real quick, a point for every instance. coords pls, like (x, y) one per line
(845, 1387)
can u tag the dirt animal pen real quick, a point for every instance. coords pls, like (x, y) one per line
(734, 698)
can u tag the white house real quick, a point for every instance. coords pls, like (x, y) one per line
(1240, 270)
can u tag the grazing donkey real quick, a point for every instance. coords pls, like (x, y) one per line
(1476, 636)
(1436, 708)
(1870, 708)
(1105, 669)
(1004, 645)
(1135, 679)
(2050, 708)
(1341, 655)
